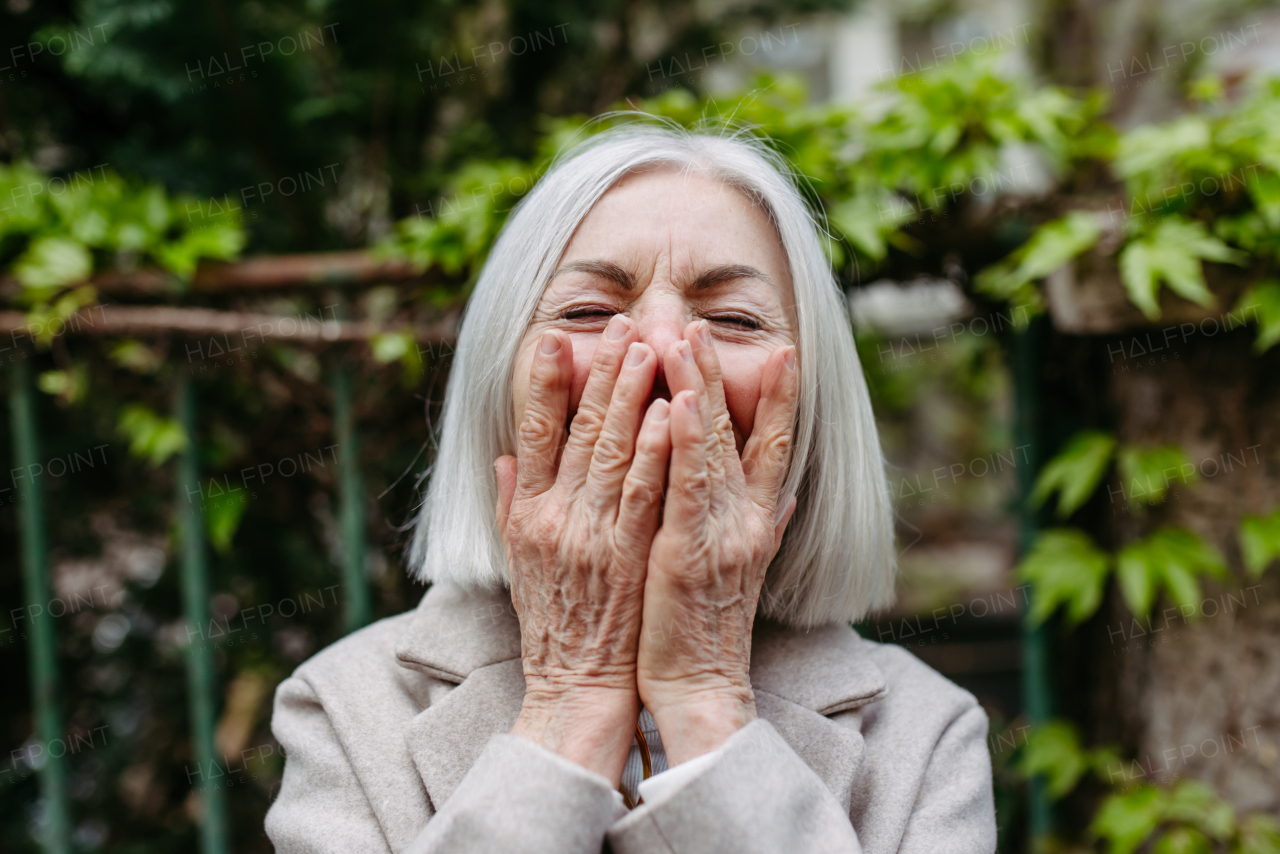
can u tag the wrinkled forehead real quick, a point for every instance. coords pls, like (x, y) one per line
(679, 223)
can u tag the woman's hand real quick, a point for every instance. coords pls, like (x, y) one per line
(722, 524)
(577, 536)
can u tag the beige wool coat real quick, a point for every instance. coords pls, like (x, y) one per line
(397, 740)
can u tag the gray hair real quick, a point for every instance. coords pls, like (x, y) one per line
(837, 558)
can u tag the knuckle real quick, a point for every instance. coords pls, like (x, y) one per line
(536, 428)
(588, 421)
(650, 443)
(611, 451)
(638, 493)
(696, 484)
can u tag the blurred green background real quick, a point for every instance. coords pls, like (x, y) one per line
(1056, 222)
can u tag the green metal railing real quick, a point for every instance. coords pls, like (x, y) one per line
(201, 680)
(305, 272)
(1037, 681)
(202, 687)
(43, 647)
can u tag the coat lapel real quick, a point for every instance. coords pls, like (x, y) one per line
(800, 678)
(471, 638)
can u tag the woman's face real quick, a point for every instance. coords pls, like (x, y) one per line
(666, 249)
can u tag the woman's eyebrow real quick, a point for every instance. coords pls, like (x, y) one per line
(726, 273)
(627, 281)
(605, 269)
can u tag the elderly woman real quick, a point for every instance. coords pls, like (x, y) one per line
(659, 502)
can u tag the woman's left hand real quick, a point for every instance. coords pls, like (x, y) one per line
(722, 524)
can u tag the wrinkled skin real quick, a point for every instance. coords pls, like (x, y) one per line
(655, 393)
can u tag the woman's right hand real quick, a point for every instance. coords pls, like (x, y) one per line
(577, 536)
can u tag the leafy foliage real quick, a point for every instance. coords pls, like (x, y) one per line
(1146, 473)
(1260, 541)
(1172, 253)
(1053, 751)
(1053, 245)
(1264, 299)
(1198, 188)
(1187, 817)
(1065, 568)
(398, 347)
(222, 518)
(151, 436)
(1171, 559)
(1075, 472)
(63, 229)
(942, 140)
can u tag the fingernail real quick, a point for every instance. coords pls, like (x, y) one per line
(686, 352)
(617, 328)
(661, 411)
(635, 355)
(789, 359)
(550, 344)
(704, 332)
(691, 402)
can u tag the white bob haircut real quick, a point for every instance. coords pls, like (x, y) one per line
(837, 559)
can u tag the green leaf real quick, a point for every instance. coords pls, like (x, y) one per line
(1075, 472)
(1137, 581)
(1065, 568)
(222, 517)
(1171, 559)
(1053, 245)
(1128, 820)
(1259, 834)
(1148, 148)
(219, 240)
(1138, 274)
(1263, 299)
(69, 385)
(398, 346)
(1172, 253)
(1053, 751)
(1145, 473)
(1259, 541)
(1195, 803)
(1104, 761)
(136, 356)
(1183, 840)
(1057, 242)
(51, 262)
(867, 219)
(151, 436)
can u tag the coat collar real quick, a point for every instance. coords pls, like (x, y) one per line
(471, 637)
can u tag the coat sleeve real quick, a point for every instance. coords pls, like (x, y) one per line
(760, 796)
(757, 795)
(321, 807)
(519, 796)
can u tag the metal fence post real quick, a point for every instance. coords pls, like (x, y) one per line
(201, 687)
(1037, 683)
(351, 491)
(43, 648)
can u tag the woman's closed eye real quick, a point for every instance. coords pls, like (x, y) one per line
(589, 313)
(740, 321)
